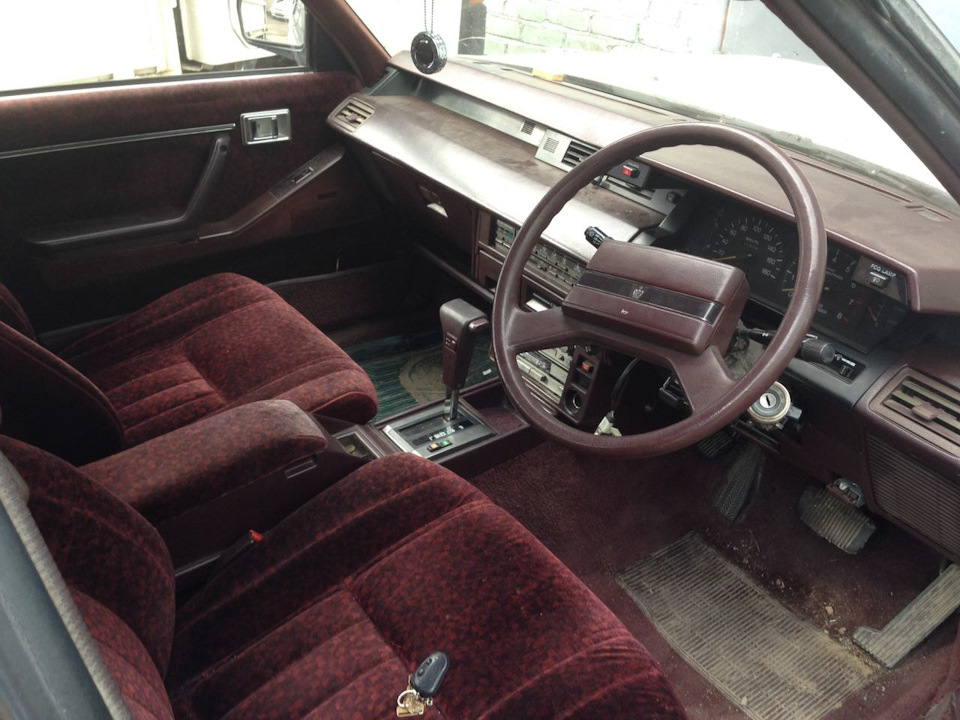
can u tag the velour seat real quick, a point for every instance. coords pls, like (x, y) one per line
(330, 613)
(217, 343)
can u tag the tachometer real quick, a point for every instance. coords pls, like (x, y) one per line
(840, 264)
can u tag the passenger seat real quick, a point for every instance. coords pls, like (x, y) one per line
(214, 344)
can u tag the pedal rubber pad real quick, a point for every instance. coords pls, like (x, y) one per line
(915, 622)
(731, 496)
(834, 520)
(717, 444)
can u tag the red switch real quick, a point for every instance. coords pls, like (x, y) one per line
(630, 172)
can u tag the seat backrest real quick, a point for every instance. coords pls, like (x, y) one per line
(13, 315)
(49, 404)
(116, 566)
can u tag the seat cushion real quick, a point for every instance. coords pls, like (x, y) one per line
(328, 616)
(214, 344)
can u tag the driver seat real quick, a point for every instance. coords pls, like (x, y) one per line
(330, 613)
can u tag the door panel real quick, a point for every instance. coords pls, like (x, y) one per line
(58, 190)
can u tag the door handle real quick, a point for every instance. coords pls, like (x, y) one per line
(268, 126)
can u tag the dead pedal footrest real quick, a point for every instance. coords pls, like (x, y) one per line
(834, 520)
(915, 622)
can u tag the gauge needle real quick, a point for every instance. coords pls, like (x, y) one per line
(872, 314)
(725, 258)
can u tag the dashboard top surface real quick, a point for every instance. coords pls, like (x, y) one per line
(900, 232)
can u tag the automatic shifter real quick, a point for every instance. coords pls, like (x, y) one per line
(434, 431)
(461, 323)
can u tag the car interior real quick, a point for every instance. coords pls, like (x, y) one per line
(465, 383)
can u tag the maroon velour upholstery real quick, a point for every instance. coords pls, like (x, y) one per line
(49, 404)
(331, 612)
(13, 315)
(214, 344)
(192, 465)
(116, 566)
(402, 558)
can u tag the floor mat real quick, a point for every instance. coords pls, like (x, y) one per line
(407, 370)
(765, 659)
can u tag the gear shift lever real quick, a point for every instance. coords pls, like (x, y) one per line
(461, 323)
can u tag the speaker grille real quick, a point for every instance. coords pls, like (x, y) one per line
(924, 500)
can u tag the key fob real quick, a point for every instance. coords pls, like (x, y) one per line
(427, 678)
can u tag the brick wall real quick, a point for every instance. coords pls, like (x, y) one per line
(523, 26)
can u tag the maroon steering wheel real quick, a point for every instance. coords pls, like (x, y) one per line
(673, 310)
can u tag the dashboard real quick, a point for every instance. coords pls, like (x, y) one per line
(862, 300)
(466, 155)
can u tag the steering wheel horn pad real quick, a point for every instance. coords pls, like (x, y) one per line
(682, 302)
(691, 348)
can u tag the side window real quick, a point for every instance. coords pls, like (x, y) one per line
(101, 41)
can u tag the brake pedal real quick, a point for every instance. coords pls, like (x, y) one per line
(731, 496)
(837, 522)
(915, 622)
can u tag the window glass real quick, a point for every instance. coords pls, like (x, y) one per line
(946, 15)
(111, 40)
(721, 60)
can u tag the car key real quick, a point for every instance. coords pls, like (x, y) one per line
(427, 678)
(423, 686)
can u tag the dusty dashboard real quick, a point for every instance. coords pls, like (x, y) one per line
(862, 301)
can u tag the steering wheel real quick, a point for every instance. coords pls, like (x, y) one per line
(673, 310)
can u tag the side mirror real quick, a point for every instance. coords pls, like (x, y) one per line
(274, 25)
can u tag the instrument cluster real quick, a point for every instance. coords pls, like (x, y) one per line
(861, 300)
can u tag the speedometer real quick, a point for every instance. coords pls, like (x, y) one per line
(733, 242)
(752, 243)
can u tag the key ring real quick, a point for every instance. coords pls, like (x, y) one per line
(412, 693)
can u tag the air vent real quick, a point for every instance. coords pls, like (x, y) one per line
(920, 498)
(576, 153)
(528, 127)
(352, 115)
(923, 406)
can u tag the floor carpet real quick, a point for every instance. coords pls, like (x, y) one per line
(601, 516)
(407, 370)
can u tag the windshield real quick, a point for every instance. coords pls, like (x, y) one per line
(727, 60)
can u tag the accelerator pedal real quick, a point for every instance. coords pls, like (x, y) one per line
(717, 444)
(915, 622)
(835, 521)
(731, 496)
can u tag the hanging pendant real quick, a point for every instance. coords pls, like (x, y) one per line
(429, 52)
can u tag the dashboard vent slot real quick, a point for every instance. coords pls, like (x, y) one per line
(576, 153)
(923, 406)
(352, 115)
(920, 498)
(528, 127)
